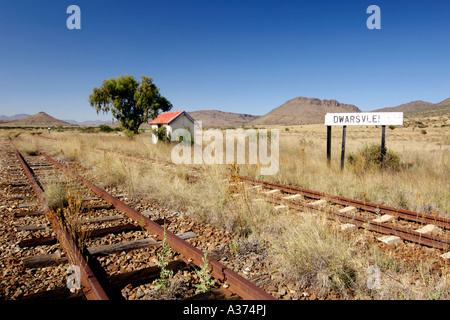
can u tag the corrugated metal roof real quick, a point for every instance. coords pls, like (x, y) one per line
(166, 118)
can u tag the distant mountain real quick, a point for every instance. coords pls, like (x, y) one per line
(302, 110)
(14, 117)
(90, 122)
(413, 106)
(40, 119)
(438, 109)
(443, 103)
(420, 108)
(216, 118)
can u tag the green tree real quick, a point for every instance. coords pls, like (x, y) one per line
(130, 102)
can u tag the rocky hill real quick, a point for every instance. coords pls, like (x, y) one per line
(302, 110)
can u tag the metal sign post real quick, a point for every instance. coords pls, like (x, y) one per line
(383, 144)
(361, 119)
(329, 145)
(344, 130)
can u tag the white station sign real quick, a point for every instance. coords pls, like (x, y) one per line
(364, 119)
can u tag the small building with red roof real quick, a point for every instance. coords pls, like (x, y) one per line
(172, 121)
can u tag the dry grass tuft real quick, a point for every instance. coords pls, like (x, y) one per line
(311, 253)
(56, 195)
(70, 215)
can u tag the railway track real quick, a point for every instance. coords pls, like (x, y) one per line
(90, 261)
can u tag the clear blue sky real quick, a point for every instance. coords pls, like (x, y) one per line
(235, 55)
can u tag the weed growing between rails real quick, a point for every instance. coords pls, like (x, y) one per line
(205, 278)
(162, 283)
(70, 215)
(56, 194)
(68, 208)
(69, 218)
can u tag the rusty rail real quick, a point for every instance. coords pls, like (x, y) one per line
(237, 283)
(91, 286)
(366, 206)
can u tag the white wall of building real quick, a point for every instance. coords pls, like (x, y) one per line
(182, 122)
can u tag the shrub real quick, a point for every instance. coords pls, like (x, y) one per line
(187, 134)
(88, 129)
(370, 157)
(161, 134)
(105, 128)
(129, 134)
